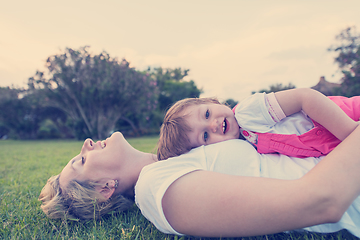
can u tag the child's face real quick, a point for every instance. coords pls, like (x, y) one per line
(211, 123)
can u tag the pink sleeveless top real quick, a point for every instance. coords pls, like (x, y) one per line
(316, 142)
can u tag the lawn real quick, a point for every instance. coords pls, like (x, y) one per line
(26, 165)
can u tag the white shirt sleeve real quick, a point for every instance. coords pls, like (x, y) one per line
(156, 178)
(259, 112)
(274, 108)
(262, 113)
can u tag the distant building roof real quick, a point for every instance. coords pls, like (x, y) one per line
(326, 87)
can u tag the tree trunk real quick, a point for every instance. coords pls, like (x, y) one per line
(131, 124)
(82, 113)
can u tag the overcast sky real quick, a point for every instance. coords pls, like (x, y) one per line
(231, 47)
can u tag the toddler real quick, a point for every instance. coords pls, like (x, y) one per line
(298, 122)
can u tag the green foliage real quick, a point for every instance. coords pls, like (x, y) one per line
(48, 129)
(18, 117)
(348, 59)
(276, 88)
(95, 91)
(84, 95)
(25, 167)
(231, 103)
(173, 87)
(7, 93)
(23, 115)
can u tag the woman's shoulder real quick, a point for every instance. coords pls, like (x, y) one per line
(234, 157)
(156, 178)
(161, 174)
(193, 159)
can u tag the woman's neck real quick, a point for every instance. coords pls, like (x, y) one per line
(137, 160)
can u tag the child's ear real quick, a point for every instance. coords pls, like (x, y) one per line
(106, 189)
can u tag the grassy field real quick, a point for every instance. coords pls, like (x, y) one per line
(26, 165)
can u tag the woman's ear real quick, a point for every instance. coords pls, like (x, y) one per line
(107, 189)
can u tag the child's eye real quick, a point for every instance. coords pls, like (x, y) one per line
(205, 136)
(207, 114)
(82, 160)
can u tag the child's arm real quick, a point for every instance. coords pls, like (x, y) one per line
(319, 108)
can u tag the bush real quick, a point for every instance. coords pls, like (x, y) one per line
(48, 130)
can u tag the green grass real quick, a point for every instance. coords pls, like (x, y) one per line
(26, 165)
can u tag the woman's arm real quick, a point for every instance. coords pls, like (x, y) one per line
(211, 204)
(319, 108)
(206, 203)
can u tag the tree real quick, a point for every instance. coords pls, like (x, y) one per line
(19, 118)
(95, 91)
(348, 59)
(276, 88)
(172, 86)
(231, 103)
(7, 93)
(23, 115)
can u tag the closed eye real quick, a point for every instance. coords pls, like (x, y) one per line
(82, 160)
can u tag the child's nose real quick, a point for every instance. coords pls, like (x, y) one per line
(214, 126)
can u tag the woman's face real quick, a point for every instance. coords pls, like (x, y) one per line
(98, 162)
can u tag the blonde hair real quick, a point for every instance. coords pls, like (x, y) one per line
(79, 201)
(173, 140)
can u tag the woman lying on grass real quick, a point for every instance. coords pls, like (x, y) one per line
(223, 189)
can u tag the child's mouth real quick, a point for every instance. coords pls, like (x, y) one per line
(224, 126)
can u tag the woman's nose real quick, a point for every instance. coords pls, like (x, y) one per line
(88, 144)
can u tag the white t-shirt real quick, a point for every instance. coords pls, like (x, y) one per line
(262, 113)
(227, 157)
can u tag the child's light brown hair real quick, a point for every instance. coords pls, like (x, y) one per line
(173, 140)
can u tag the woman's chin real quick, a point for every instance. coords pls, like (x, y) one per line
(117, 134)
